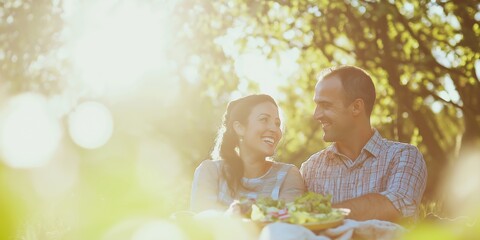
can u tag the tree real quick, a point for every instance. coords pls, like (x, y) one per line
(423, 56)
(29, 31)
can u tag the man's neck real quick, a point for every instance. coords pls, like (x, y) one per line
(352, 146)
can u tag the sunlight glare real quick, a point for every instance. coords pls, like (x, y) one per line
(190, 72)
(437, 106)
(158, 162)
(446, 58)
(118, 45)
(159, 229)
(29, 135)
(56, 178)
(90, 125)
(223, 226)
(451, 91)
(408, 9)
(252, 65)
(268, 74)
(463, 187)
(255, 66)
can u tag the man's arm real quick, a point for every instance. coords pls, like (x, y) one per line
(405, 187)
(370, 206)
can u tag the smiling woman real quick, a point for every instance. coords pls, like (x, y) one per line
(240, 170)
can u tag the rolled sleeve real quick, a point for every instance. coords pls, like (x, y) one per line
(407, 180)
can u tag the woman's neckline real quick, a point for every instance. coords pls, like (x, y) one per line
(265, 174)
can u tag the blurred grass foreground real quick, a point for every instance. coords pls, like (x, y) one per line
(107, 107)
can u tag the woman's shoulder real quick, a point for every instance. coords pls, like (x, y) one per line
(284, 167)
(210, 164)
(208, 168)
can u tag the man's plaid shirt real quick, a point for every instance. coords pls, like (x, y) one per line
(393, 169)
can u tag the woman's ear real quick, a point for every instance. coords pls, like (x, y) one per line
(239, 128)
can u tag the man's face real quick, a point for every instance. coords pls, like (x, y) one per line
(330, 110)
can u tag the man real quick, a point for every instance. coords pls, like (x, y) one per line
(374, 177)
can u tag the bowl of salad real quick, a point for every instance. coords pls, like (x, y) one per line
(311, 210)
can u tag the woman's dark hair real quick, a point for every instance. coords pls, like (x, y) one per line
(227, 140)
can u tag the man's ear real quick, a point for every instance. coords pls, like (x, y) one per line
(358, 107)
(239, 128)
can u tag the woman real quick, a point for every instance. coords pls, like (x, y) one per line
(249, 134)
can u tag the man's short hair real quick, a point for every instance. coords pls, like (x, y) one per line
(356, 83)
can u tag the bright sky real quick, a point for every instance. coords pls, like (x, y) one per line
(115, 48)
(116, 45)
(252, 65)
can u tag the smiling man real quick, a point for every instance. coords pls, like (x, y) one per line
(374, 177)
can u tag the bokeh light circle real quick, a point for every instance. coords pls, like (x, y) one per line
(90, 125)
(29, 134)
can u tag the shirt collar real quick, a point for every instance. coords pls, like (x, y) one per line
(373, 146)
(332, 148)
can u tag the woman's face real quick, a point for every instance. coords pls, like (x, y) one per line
(262, 131)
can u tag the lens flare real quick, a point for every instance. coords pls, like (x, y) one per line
(115, 45)
(222, 226)
(29, 135)
(56, 178)
(144, 228)
(90, 125)
(158, 166)
(463, 186)
(159, 230)
(269, 74)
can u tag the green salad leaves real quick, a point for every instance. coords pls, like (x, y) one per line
(309, 208)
